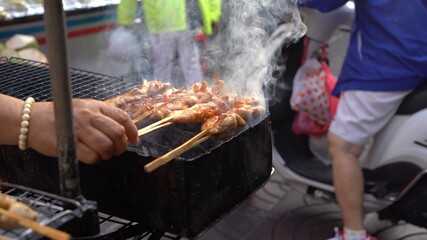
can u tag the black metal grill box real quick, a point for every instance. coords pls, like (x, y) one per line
(185, 196)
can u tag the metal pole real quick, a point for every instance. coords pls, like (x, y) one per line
(54, 19)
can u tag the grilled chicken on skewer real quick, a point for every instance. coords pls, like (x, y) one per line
(216, 125)
(46, 231)
(161, 110)
(193, 115)
(8, 203)
(172, 101)
(147, 88)
(199, 93)
(197, 113)
(15, 214)
(149, 91)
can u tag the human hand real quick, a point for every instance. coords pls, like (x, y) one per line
(101, 131)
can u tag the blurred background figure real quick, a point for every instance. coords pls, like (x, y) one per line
(172, 26)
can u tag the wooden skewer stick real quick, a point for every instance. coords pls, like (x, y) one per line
(156, 125)
(2, 237)
(142, 132)
(160, 161)
(142, 117)
(35, 226)
(148, 113)
(200, 141)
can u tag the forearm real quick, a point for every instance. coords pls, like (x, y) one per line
(323, 5)
(101, 131)
(10, 119)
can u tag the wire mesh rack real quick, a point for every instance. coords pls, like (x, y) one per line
(54, 211)
(22, 78)
(117, 228)
(64, 213)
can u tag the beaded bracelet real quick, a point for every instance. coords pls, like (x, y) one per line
(25, 123)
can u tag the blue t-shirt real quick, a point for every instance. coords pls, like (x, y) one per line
(388, 45)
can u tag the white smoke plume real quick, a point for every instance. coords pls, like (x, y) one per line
(243, 51)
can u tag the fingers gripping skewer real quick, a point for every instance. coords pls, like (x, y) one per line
(35, 226)
(198, 139)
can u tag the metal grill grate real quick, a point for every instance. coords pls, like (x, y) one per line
(52, 213)
(22, 78)
(117, 228)
(49, 206)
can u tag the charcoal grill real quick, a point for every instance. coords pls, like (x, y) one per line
(184, 197)
(52, 212)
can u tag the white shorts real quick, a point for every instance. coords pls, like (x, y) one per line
(361, 114)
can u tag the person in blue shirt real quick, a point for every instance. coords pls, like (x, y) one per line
(386, 59)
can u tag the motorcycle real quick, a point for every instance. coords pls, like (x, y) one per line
(395, 163)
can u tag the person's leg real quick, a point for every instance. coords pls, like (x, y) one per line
(348, 180)
(189, 57)
(360, 115)
(162, 52)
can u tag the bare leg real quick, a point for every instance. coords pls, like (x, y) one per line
(162, 50)
(348, 180)
(189, 57)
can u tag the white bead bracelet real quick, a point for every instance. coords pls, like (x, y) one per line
(25, 123)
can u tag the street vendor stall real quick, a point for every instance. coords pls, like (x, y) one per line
(89, 24)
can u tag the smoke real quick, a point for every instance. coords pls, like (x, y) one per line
(244, 51)
(123, 44)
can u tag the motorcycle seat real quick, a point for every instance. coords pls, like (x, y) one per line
(415, 101)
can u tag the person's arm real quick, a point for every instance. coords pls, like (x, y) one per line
(323, 5)
(126, 12)
(10, 119)
(101, 131)
(211, 14)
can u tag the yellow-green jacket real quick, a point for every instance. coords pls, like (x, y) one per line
(168, 15)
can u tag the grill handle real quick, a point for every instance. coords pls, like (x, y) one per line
(54, 18)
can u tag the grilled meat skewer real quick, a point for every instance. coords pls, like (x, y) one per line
(216, 125)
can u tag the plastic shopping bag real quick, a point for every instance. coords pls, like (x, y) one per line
(304, 125)
(311, 76)
(309, 93)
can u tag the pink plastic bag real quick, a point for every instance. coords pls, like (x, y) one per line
(309, 93)
(306, 124)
